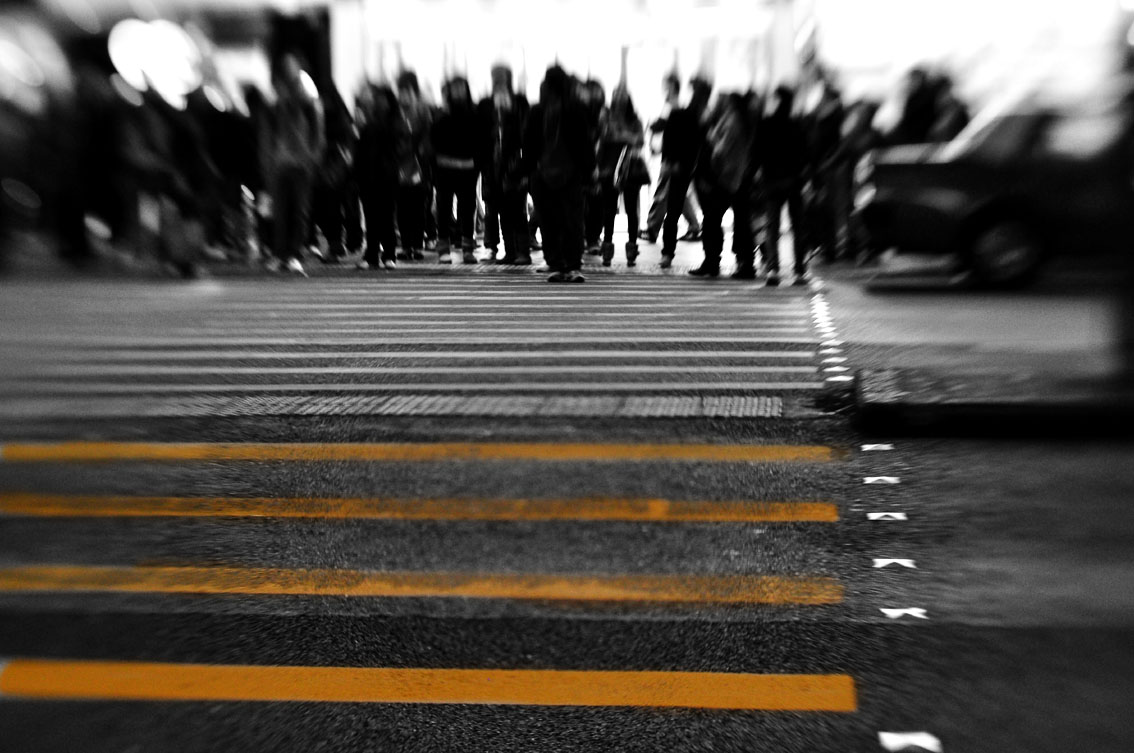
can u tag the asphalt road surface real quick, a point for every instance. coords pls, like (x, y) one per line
(476, 512)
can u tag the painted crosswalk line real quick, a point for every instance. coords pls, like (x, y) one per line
(413, 452)
(606, 509)
(686, 589)
(144, 681)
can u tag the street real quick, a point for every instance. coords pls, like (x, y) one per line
(472, 511)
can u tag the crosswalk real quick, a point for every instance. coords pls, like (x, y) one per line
(532, 527)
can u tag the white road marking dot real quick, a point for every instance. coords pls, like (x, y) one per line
(886, 516)
(888, 562)
(831, 343)
(877, 447)
(881, 480)
(909, 742)
(843, 378)
(897, 614)
(830, 351)
(835, 369)
(835, 359)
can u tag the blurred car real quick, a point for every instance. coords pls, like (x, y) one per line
(1016, 186)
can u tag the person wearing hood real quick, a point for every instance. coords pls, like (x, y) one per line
(502, 117)
(455, 158)
(559, 158)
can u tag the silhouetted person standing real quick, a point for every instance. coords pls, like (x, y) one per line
(656, 217)
(455, 151)
(502, 117)
(782, 147)
(559, 158)
(681, 144)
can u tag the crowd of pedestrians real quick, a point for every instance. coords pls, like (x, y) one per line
(400, 176)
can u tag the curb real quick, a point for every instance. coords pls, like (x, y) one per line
(890, 401)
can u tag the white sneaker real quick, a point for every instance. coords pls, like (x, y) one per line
(296, 266)
(364, 265)
(273, 264)
(445, 258)
(390, 263)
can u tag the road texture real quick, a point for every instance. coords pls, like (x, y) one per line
(477, 512)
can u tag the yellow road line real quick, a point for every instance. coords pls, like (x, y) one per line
(408, 452)
(740, 589)
(145, 681)
(658, 510)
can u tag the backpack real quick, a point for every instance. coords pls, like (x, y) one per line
(555, 166)
(728, 150)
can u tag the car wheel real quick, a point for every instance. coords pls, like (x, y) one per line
(1005, 254)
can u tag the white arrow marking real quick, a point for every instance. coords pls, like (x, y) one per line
(910, 741)
(876, 447)
(886, 562)
(895, 614)
(881, 480)
(886, 516)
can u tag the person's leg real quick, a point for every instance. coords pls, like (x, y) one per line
(466, 214)
(675, 201)
(799, 240)
(743, 243)
(547, 203)
(656, 216)
(689, 211)
(609, 214)
(386, 205)
(352, 217)
(631, 198)
(428, 216)
(493, 216)
(775, 210)
(572, 228)
(333, 222)
(593, 217)
(712, 232)
(445, 230)
(281, 210)
(515, 210)
(371, 208)
(411, 203)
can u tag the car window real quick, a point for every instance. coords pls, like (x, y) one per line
(1081, 135)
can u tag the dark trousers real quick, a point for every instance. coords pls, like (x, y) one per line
(327, 207)
(561, 222)
(533, 222)
(462, 185)
(674, 204)
(429, 218)
(659, 207)
(714, 204)
(379, 204)
(506, 217)
(291, 208)
(411, 216)
(610, 200)
(594, 215)
(352, 216)
(779, 194)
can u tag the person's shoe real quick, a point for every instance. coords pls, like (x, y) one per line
(801, 279)
(574, 276)
(296, 266)
(557, 277)
(364, 265)
(773, 280)
(273, 264)
(607, 254)
(666, 260)
(491, 255)
(315, 251)
(468, 257)
(417, 255)
(535, 245)
(647, 236)
(543, 268)
(593, 249)
(744, 272)
(631, 254)
(444, 258)
(705, 270)
(523, 260)
(390, 263)
(431, 243)
(691, 235)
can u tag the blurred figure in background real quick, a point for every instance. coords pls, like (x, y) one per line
(723, 180)
(782, 149)
(415, 188)
(858, 136)
(951, 114)
(919, 110)
(295, 149)
(593, 97)
(455, 149)
(829, 201)
(681, 144)
(672, 88)
(384, 144)
(622, 171)
(558, 156)
(502, 116)
(333, 177)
